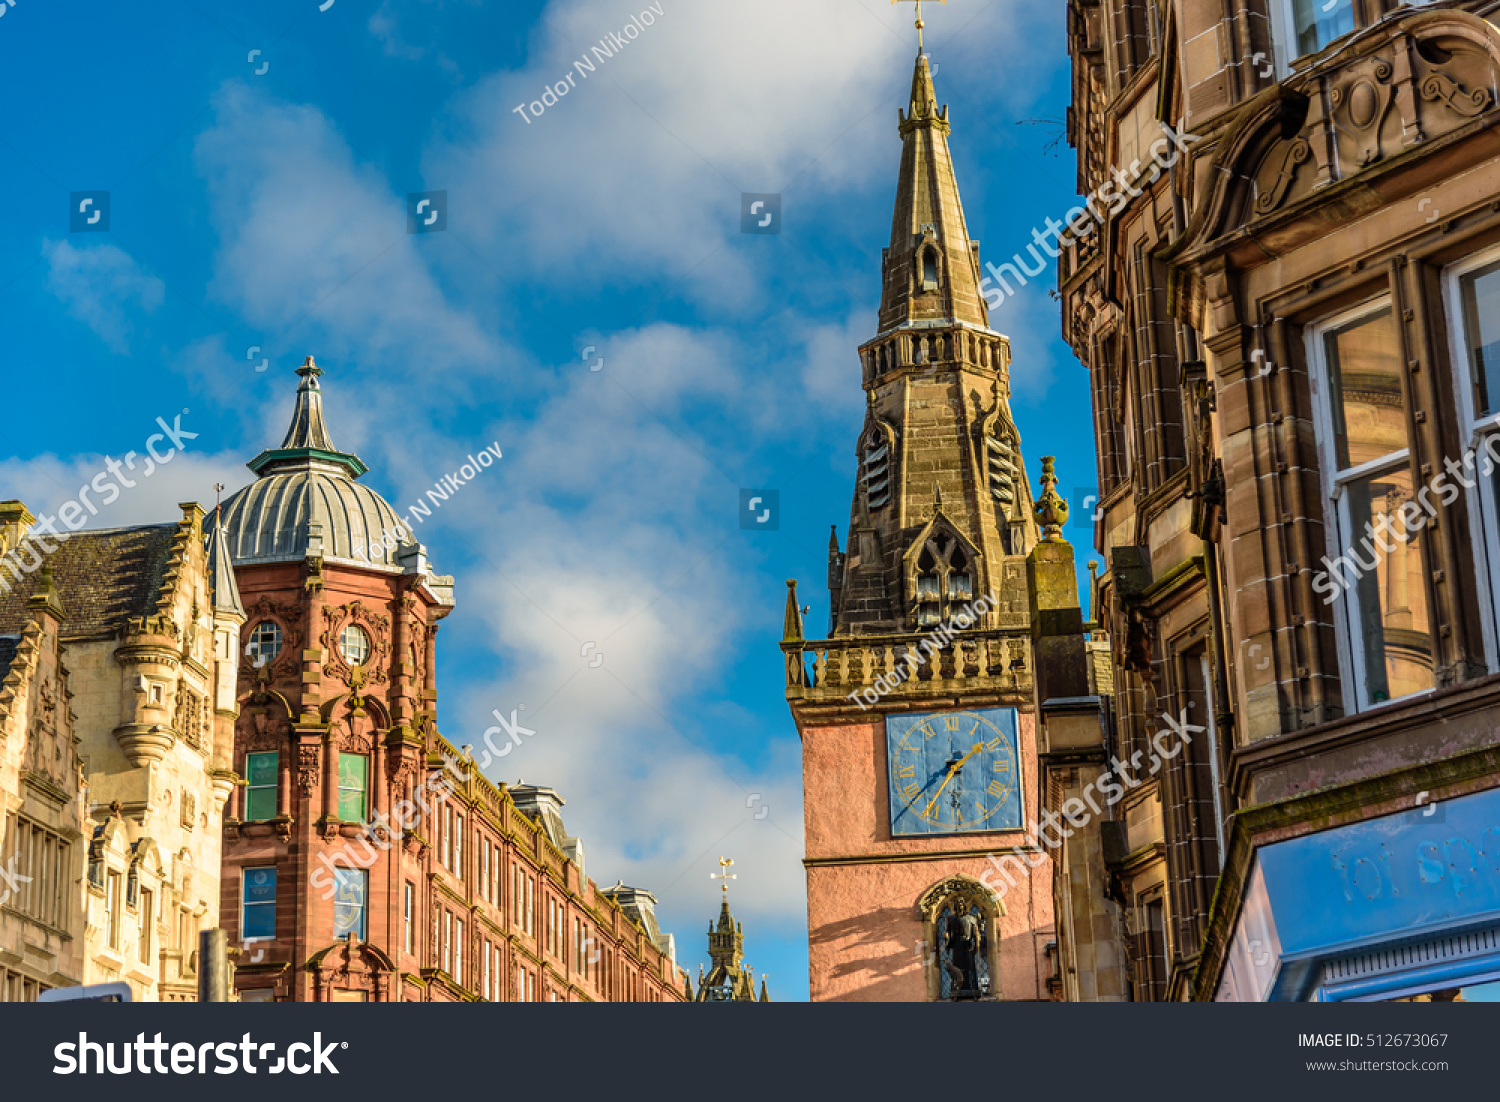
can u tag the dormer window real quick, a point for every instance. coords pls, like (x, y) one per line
(929, 269)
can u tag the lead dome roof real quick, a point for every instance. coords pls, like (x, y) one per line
(307, 500)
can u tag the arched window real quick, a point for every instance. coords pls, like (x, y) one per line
(929, 589)
(944, 581)
(929, 269)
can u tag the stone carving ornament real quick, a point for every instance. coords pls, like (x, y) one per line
(376, 624)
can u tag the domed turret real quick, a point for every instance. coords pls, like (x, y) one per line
(306, 500)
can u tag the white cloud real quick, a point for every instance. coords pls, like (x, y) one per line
(45, 482)
(313, 244)
(102, 286)
(636, 173)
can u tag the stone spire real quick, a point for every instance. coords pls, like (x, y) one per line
(225, 594)
(931, 269)
(791, 628)
(729, 979)
(941, 502)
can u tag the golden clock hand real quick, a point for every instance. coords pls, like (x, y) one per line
(952, 771)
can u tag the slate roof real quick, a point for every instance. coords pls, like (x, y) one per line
(101, 577)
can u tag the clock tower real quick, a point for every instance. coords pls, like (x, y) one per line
(916, 713)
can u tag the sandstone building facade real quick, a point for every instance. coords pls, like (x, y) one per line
(1284, 287)
(119, 657)
(367, 859)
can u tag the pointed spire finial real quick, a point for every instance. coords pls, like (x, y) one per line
(46, 595)
(307, 438)
(1051, 508)
(920, 23)
(791, 628)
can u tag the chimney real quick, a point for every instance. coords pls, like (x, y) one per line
(15, 521)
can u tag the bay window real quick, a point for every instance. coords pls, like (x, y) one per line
(1377, 513)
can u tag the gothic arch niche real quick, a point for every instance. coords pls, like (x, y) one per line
(960, 939)
(1000, 457)
(930, 266)
(942, 574)
(877, 458)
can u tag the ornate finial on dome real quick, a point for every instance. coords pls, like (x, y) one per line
(307, 437)
(308, 429)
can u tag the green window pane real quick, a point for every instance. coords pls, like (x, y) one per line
(261, 769)
(260, 803)
(261, 785)
(353, 771)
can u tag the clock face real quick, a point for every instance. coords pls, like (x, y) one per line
(954, 772)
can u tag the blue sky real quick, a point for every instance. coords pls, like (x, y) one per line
(260, 202)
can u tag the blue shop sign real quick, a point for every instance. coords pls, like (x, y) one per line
(1424, 869)
(1314, 904)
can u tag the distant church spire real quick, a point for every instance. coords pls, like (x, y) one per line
(730, 979)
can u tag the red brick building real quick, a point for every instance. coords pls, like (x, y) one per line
(365, 858)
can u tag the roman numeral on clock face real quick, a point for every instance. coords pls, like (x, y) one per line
(912, 791)
(996, 789)
(908, 771)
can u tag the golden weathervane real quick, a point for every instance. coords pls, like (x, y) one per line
(920, 24)
(724, 875)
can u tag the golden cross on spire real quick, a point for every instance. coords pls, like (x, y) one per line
(724, 875)
(920, 24)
